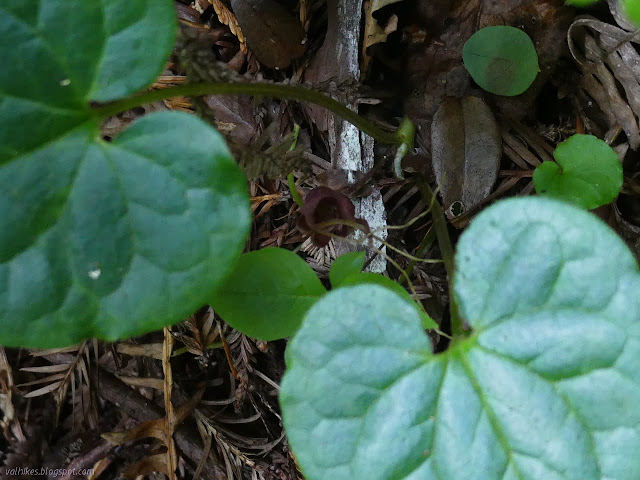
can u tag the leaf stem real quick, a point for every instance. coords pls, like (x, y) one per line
(295, 195)
(446, 249)
(402, 136)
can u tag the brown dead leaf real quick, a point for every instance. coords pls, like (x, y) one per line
(236, 117)
(611, 71)
(373, 32)
(161, 428)
(200, 333)
(466, 151)
(149, 429)
(274, 35)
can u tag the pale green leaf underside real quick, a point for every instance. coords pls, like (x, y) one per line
(377, 279)
(103, 239)
(547, 387)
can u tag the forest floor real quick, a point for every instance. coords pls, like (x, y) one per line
(100, 408)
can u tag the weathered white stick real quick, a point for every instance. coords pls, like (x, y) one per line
(350, 150)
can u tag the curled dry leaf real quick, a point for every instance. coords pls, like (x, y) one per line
(323, 204)
(373, 32)
(467, 147)
(274, 35)
(611, 71)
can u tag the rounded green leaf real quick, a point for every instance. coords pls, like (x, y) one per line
(588, 173)
(267, 294)
(546, 387)
(101, 239)
(345, 266)
(378, 279)
(502, 60)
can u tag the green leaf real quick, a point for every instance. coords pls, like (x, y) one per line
(376, 279)
(268, 293)
(581, 3)
(102, 239)
(502, 60)
(345, 266)
(547, 387)
(588, 173)
(59, 55)
(632, 10)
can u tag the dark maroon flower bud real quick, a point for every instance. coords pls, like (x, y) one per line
(323, 204)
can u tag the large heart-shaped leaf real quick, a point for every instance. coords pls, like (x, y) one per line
(103, 239)
(547, 387)
(428, 323)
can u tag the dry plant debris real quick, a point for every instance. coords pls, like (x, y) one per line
(208, 404)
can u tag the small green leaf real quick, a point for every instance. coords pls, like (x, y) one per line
(546, 387)
(502, 60)
(369, 278)
(588, 173)
(100, 239)
(345, 266)
(268, 293)
(632, 10)
(581, 3)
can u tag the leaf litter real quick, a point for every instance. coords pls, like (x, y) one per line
(224, 385)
